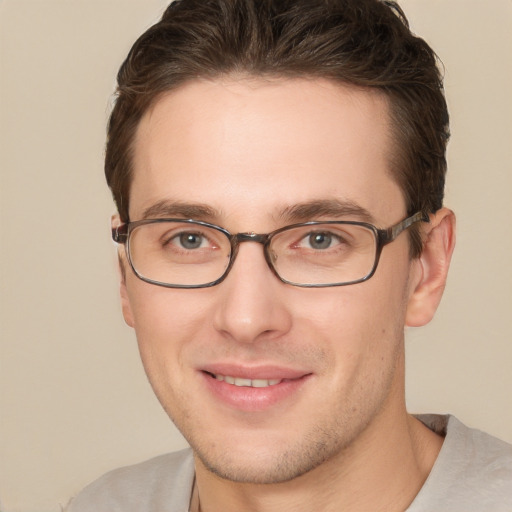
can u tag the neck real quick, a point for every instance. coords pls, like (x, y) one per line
(383, 469)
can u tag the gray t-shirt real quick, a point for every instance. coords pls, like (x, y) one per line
(473, 472)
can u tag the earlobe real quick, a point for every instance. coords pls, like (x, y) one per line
(435, 262)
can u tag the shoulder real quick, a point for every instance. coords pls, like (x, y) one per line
(473, 469)
(162, 484)
(470, 450)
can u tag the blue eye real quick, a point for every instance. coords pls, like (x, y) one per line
(191, 240)
(320, 240)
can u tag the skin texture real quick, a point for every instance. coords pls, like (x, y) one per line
(341, 437)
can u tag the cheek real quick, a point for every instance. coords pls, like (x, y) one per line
(162, 311)
(352, 311)
(361, 324)
(164, 320)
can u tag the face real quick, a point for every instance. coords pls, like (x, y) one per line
(327, 362)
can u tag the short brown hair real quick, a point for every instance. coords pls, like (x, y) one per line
(366, 43)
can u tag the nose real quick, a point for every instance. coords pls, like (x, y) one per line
(252, 303)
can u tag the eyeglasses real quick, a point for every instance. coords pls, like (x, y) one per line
(183, 253)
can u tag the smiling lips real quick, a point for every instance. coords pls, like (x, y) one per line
(254, 389)
(251, 383)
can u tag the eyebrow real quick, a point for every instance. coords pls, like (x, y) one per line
(167, 208)
(301, 212)
(332, 208)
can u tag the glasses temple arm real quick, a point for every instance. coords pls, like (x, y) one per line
(120, 233)
(388, 235)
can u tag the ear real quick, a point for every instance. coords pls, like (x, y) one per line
(434, 263)
(122, 266)
(125, 299)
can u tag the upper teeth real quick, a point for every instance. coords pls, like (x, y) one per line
(254, 383)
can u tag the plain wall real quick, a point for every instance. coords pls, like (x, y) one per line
(74, 400)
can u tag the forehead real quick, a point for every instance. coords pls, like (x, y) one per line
(250, 146)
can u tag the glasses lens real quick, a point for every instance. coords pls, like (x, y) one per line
(179, 253)
(322, 254)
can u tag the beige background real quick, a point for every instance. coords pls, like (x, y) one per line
(74, 400)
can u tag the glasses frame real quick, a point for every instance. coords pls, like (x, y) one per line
(121, 234)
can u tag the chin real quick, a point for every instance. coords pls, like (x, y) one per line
(266, 466)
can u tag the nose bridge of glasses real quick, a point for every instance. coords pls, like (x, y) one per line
(239, 238)
(250, 237)
(263, 239)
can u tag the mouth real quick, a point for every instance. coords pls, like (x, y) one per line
(243, 382)
(256, 389)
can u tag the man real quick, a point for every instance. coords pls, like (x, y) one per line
(278, 168)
